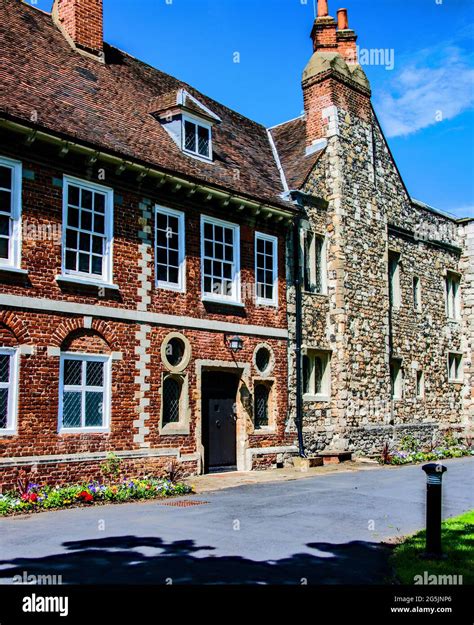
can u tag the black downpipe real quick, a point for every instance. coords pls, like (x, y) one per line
(298, 273)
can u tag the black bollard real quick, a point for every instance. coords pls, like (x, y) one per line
(434, 473)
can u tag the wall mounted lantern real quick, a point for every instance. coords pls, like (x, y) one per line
(235, 343)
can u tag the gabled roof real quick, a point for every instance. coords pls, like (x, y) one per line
(290, 142)
(181, 100)
(109, 105)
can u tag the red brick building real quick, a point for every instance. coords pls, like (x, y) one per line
(178, 282)
(142, 262)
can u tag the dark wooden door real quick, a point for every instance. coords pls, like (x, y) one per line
(219, 420)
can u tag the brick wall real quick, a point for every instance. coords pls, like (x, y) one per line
(82, 22)
(47, 332)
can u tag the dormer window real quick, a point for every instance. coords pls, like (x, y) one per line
(196, 137)
(188, 122)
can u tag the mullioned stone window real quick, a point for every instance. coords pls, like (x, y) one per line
(394, 279)
(314, 262)
(316, 375)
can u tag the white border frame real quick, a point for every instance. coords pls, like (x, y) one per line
(14, 246)
(262, 301)
(180, 427)
(107, 392)
(236, 298)
(271, 427)
(417, 304)
(107, 268)
(422, 384)
(161, 284)
(12, 409)
(398, 386)
(324, 258)
(197, 121)
(397, 284)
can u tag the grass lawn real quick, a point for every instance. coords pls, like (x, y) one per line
(458, 545)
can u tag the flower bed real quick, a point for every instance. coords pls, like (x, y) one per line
(36, 498)
(410, 451)
(404, 457)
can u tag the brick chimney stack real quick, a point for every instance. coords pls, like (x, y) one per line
(334, 84)
(324, 30)
(346, 38)
(80, 21)
(329, 36)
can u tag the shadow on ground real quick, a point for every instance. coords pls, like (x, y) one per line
(151, 560)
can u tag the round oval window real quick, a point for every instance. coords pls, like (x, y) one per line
(175, 351)
(262, 359)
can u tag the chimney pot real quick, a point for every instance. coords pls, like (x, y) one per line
(342, 21)
(323, 8)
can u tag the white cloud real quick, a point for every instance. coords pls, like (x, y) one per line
(436, 86)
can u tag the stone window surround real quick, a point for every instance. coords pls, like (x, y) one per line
(397, 383)
(180, 427)
(271, 364)
(453, 276)
(420, 382)
(325, 397)
(181, 366)
(394, 279)
(417, 294)
(270, 383)
(316, 234)
(13, 387)
(455, 354)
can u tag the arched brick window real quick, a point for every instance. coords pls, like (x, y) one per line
(85, 383)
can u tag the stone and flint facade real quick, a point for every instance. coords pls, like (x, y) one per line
(148, 269)
(400, 358)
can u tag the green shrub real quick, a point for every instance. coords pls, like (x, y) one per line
(409, 443)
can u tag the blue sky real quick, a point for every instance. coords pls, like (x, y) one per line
(425, 102)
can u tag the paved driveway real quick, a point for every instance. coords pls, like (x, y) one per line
(324, 529)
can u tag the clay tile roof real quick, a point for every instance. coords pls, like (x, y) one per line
(109, 106)
(163, 102)
(290, 142)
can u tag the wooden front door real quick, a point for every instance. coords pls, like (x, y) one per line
(219, 391)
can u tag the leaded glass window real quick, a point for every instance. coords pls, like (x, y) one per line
(84, 392)
(8, 388)
(197, 138)
(171, 398)
(262, 393)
